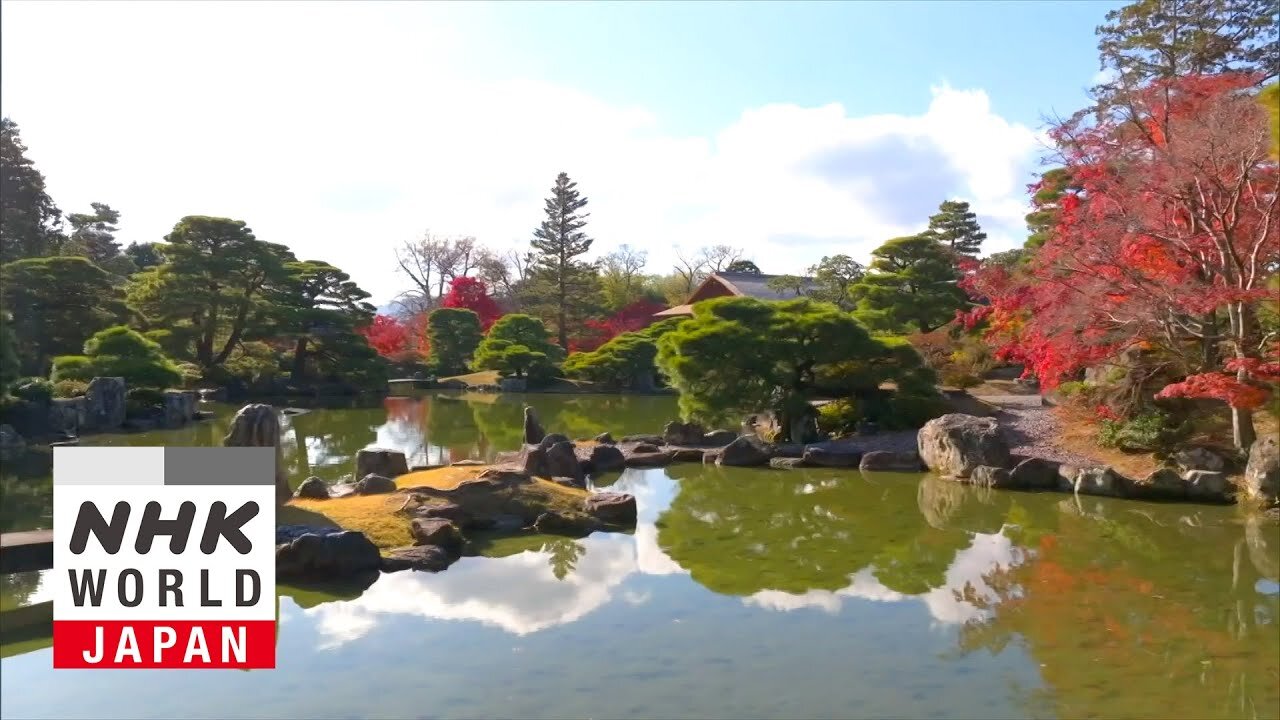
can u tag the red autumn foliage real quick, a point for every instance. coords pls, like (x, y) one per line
(387, 335)
(472, 294)
(1172, 215)
(635, 316)
(1247, 393)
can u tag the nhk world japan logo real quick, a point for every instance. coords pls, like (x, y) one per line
(164, 558)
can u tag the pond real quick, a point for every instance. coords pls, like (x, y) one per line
(741, 593)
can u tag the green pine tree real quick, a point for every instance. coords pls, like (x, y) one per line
(957, 227)
(30, 224)
(562, 289)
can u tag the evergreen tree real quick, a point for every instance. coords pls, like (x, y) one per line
(319, 307)
(957, 227)
(743, 266)
(211, 285)
(143, 255)
(55, 304)
(94, 234)
(1164, 39)
(455, 335)
(912, 283)
(1048, 193)
(562, 289)
(30, 224)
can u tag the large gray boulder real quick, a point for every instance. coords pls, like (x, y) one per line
(888, 461)
(746, 451)
(258, 425)
(533, 432)
(680, 433)
(1261, 482)
(991, 477)
(331, 555)
(551, 439)
(105, 403)
(381, 461)
(955, 444)
(179, 407)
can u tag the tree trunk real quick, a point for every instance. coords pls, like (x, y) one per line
(1209, 342)
(237, 329)
(299, 371)
(1242, 431)
(204, 350)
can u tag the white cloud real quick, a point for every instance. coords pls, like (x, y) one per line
(946, 604)
(343, 130)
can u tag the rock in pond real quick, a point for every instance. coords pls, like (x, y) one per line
(605, 438)
(1161, 484)
(258, 425)
(452, 512)
(424, 558)
(887, 461)
(533, 432)
(955, 444)
(372, 484)
(745, 451)
(649, 459)
(324, 556)
(1101, 480)
(179, 407)
(680, 433)
(1034, 474)
(1261, 482)
(313, 488)
(612, 508)
(645, 447)
(650, 439)
(991, 477)
(513, 384)
(558, 459)
(786, 463)
(436, 531)
(816, 456)
(688, 454)
(1208, 486)
(552, 523)
(381, 461)
(606, 458)
(553, 438)
(105, 403)
(719, 438)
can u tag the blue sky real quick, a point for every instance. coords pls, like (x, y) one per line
(344, 129)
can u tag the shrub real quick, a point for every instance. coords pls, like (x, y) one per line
(517, 345)
(36, 390)
(191, 374)
(72, 367)
(838, 416)
(69, 388)
(119, 352)
(143, 401)
(1149, 432)
(959, 379)
(910, 408)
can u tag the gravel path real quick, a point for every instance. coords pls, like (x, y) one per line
(1030, 430)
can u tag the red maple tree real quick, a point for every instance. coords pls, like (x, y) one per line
(1167, 239)
(472, 294)
(387, 335)
(634, 316)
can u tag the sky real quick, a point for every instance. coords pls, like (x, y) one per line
(343, 130)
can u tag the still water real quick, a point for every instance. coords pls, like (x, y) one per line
(742, 593)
